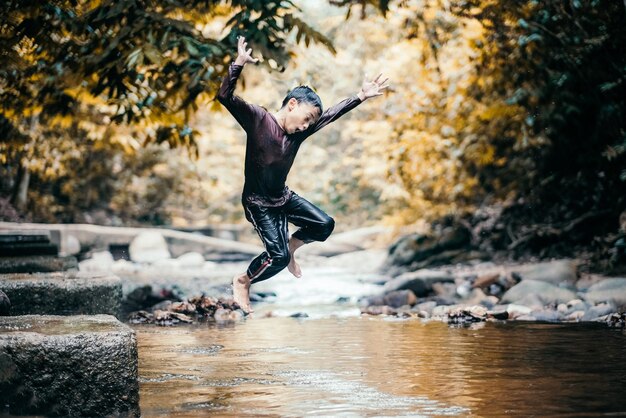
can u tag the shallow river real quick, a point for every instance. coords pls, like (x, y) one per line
(372, 366)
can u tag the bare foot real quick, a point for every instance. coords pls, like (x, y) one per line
(293, 267)
(241, 292)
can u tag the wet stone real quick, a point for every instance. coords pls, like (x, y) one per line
(5, 304)
(62, 293)
(68, 366)
(13, 237)
(37, 264)
(28, 248)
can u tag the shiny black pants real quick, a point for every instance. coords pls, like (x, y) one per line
(271, 225)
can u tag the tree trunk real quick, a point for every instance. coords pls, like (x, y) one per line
(20, 193)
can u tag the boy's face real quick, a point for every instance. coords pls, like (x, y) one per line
(300, 116)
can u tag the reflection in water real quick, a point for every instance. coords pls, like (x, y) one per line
(364, 366)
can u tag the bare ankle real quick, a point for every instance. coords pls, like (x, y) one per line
(244, 278)
(294, 244)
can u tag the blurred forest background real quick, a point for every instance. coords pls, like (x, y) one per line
(508, 117)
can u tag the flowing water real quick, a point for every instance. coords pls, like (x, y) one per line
(343, 365)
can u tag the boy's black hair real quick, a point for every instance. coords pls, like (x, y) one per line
(304, 94)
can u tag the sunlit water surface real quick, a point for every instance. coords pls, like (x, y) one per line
(374, 366)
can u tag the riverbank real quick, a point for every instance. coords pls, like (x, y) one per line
(355, 283)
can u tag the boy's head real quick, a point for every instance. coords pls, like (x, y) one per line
(302, 107)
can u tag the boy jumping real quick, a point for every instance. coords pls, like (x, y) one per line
(273, 140)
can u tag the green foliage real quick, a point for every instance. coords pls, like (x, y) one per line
(147, 60)
(130, 73)
(563, 65)
(528, 109)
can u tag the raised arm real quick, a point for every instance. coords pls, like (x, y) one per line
(245, 113)
(368, 89)
(335, 112)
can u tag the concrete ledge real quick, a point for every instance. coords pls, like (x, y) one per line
(99, 237)
(68, 366)
(37, 263)
(62, 293)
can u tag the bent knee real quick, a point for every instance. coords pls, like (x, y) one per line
(281, 260)
(327, 228)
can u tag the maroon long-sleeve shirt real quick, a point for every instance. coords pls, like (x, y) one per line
(270, 151)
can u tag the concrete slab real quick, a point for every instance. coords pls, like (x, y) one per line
(62, 293)
(68, 366)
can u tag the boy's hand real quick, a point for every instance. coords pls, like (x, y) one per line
(245, 56)
(372, 88)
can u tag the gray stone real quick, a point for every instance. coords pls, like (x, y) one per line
(37, 263)
(598, 310)
(68, 366)
(531, 300)
(100, 262)
(576, 305)
(547, 315)
(575, 316)
(445, 290)
(148, 247)
(426, 306)
(489, 302)
(554, 272)
(420, 281)
(546, 292)
(70, 245)
(372, 300)
(613, 289)
(418, 247)
(526, 318)
(475, 297)
(399, 298)
(516, 311)
(441, 310)
(5, 304)
(191, 259)
(62, 293)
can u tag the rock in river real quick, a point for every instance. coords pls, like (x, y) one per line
(611, 289)
(546, 292)
(420, 281)
(83, 365)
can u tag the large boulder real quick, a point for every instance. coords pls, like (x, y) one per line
(148, 247)
(419, 247)
(68, 366)
(555, 272)
(608, 290)
(537, 290)
(419, 282)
